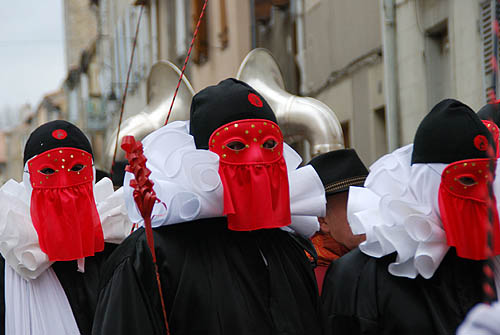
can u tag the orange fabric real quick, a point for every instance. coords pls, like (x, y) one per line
(327, 248)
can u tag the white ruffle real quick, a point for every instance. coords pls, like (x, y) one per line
(116, 225)
(481, 320)
(19, 240)
(398, 211)
(37, 306)
(307, 198)
(34, 299)
(187, 181)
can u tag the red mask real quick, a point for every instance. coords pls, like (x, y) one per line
(463, 203)
(253, 173)
(63, 208)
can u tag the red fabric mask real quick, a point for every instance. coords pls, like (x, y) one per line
(63, 208)
(463, 203)
(253, 173)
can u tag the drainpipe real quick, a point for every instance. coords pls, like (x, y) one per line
(300, 57)
(388, 16)
(253, 25)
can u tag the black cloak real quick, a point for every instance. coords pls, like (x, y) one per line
(361, 297)
(214, 281)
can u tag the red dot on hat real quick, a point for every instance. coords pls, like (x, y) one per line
(59, 134)
(481, 142)
(255, 100)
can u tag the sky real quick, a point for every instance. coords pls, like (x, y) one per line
(32, 60)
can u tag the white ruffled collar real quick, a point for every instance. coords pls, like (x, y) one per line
(187, 181)
(398, 211)
(18, 238)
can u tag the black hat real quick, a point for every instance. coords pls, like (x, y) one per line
(228, 101)
(100, 174)
(490, 112)
(450, 132)
(339, 169)
(55, 134)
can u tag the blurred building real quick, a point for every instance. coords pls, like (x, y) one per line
(339, 54)
(443, 50)
(80, 30)
(14, 141)
(303, 36)
(3, 157)
(332, 50)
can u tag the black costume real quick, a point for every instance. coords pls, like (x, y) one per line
(420, 269)
(52, 253)
(361, 297)
(214, 280)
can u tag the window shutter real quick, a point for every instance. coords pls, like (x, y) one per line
(490, 12)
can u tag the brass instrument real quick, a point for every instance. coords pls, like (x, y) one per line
(307, 123)
(161, 84)
(302, 119)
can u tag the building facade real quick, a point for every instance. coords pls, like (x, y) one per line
(331, 50)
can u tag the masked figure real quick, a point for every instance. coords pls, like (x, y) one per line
(52, 235)
(424, 210)
(232, 200)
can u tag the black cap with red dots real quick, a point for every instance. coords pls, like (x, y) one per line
(451, 132)
(490, 112)
(55, 134)
(230, 100)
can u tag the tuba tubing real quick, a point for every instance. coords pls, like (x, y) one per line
(161, 84)
(300, 118)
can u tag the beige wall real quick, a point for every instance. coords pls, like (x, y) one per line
(417, 74)
(355, 100)
(343, 68)
(340, 60)
(411, 71)
(466, 43)
(80, 29)
(224, 63)
(336, 33)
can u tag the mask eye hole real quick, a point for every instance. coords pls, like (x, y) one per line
(236, 145)
(77, 167)
(467, 181)
(270, 144)
(47, 171)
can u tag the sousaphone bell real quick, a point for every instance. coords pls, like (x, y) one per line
(302, 119)
(160, 87)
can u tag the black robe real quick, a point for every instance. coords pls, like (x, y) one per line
(81, 288)
(214, 281)
(360, 296)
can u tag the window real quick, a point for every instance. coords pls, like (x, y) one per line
(437, 60)
(380, 131)
(200, 55)
(263, 8)
(490, 11)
